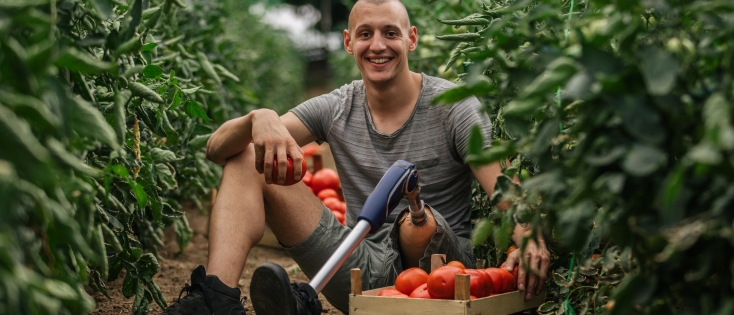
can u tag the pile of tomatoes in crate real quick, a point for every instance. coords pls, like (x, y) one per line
(325, 184)
(440, 283)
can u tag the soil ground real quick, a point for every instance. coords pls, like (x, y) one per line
(176, 270)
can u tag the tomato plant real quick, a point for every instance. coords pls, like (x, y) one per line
(410, 279)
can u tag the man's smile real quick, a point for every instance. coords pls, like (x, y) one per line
(379, 61)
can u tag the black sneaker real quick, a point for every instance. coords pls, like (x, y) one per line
(207, 295)
(272, 293)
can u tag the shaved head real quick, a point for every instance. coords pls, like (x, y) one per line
(405, 20)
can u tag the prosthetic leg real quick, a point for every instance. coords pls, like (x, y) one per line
(270, 290)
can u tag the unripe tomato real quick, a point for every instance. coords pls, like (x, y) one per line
(411, 278)
(441, 282)
(288, 173)
(325, 178)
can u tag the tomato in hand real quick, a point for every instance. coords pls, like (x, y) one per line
(441, 282)
(478, 285)
(411, 278)
(392, 293)
(325, 178)
(288, 173)
(421, 292)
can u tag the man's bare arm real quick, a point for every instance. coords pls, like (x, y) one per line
(273, 137)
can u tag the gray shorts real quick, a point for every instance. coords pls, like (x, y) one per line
(378, 256)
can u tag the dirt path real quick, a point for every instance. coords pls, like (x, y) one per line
(176, 270)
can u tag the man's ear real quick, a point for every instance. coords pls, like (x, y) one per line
(348, 42)
(413, 39)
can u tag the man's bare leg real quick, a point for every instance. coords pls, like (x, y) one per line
(415, 239)
(244, 203)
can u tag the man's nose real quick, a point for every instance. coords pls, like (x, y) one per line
(378, 43)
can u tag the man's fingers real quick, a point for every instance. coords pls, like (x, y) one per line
(544, 265)
(533, 278)
(259, 152)
(268, 165)
(282, 160)
(297, 156)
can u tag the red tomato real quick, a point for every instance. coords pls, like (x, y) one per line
(343, 207)
(288, 172)
(441, 282)
(392, 293)
(339, 216)
(307, 177)
(421, 292)
(477, 283)
(325, 178)
(515, 271)
(332, 203)
(411, 278)
(510, 282)
(498, 281)
(488, 284)
(311, 149)
(326, 193)
(456, 263)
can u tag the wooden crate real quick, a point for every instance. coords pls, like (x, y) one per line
(368, 303)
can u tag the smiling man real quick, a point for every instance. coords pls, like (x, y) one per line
(369, 124)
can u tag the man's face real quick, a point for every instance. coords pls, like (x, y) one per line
(380, 40)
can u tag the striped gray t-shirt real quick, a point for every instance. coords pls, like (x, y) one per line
(434, 138)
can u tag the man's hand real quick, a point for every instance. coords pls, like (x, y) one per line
(272, 140)
(533, 268)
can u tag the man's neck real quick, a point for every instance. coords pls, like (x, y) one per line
(392, 103)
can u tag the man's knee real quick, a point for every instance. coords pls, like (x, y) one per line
(417, 236)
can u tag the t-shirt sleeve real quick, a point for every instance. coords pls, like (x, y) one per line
(462, 117)
(319, 112)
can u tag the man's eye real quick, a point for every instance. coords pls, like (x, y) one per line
(365, 34)
(392, 34)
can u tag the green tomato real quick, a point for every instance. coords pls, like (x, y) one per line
(524, 174)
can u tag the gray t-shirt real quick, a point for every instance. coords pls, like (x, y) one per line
(434, 138)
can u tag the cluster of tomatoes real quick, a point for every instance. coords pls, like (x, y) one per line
(325, 184)
(439, 284)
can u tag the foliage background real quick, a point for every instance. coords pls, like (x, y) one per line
(105, 108)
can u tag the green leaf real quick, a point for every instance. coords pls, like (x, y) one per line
(67, 158)
(556, 74)
(207, 67)
(201, 140)
(575, 224)
(152, 71)
(103, 7)
(166, 176)
(163, 156)
(225, 73)
(183, 233)
(88, 121)
(120, 119)
(31, 108)
(21, 3)
(129, 285)
(193, 109)
(496, 153)
(176, 99)
(149, 46)
(139, 192)
(642, 160)
(660, 70)
(75, 60)
(143, 91)
(639, 119)
(624, 296)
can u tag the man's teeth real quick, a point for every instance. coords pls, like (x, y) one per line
(383, 60)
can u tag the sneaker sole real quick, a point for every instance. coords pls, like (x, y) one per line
(270, 291)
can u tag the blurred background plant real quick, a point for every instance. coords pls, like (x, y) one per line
(105, 108)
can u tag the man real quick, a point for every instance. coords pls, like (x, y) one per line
(369, 124)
